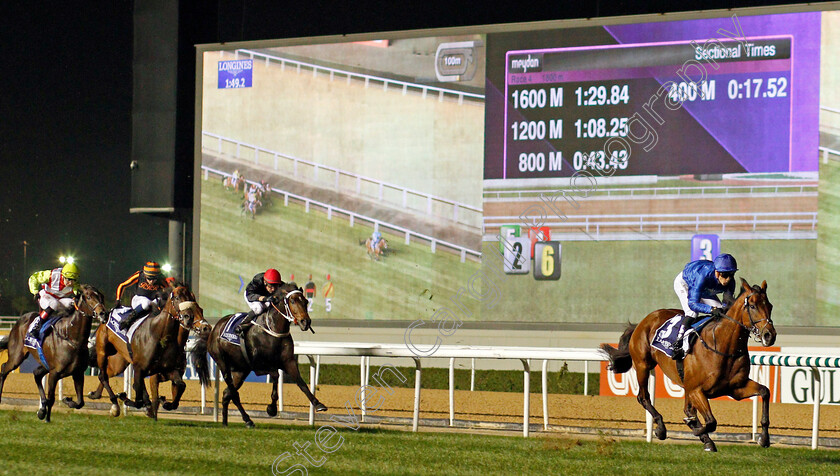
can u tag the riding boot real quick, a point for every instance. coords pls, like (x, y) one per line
(39, 321)
(129, 319)
(246, 324)
(679, 353)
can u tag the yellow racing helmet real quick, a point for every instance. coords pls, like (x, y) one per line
(70, 271)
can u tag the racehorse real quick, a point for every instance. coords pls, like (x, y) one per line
(378, 251)
(116, 365)
(64, 349)
(269, 346)
(250, 207)
(719, 364)
(233, 181)
(157, 348)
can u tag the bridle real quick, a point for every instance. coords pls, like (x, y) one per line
(753, 329)
(180, 316)
(91, 309)
(286, 313)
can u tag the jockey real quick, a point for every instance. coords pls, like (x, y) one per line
(150, 286)
(259, 296)
(697, 287)
(55, 289)
(374, 239)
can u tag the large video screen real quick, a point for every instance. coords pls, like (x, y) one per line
(559, 174)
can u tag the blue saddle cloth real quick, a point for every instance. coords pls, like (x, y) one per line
(664, 340)
(34, 343)
(115, 318)
(229, 332)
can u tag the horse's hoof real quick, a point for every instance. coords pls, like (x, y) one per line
(42, 412)
(764, 441)
(661, 432)
(94, 396)
(123, 396)
(69, 402)
(169, 406)
(249, 424)
(271, 410)
(320, 407)
(115, 410)
(710, 447)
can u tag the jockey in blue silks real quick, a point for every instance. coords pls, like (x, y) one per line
(697, 287)
(374, 239)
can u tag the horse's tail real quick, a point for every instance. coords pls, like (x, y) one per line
(4, 343)
(198, 358)
(620, 360)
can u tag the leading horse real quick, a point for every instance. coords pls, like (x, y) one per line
(269, 346)
(157, 349)
(64, 349)
(719, 364)
(376, 252)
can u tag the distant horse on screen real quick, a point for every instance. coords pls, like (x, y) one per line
(378, 251)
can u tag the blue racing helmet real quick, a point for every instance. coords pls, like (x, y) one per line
(725, 263)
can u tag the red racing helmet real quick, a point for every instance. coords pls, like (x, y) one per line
(272, 276)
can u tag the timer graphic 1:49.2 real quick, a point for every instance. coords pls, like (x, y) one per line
(236, 83)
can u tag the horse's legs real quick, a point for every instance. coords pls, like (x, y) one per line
(52, 380)
(291, 367)
(141, 398)
(115, 365)
(271, 409)
(154, 400)
(79, 384)
(38, 375)
(178, 387)
(102, 362)
(234, 381)
(643, 370)
(754, 388)
(701, 404)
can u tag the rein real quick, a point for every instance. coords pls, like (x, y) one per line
(288, 315)
(752, 330)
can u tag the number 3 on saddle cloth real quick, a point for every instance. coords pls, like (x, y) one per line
(34, 343)
(666, 335)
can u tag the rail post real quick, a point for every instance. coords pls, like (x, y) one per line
(417, 375)
(526, 403)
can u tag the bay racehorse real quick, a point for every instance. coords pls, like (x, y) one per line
(378, 251)
(116, 364)
(64, 348)
(269, 346)
(718, 365)
(157, 349)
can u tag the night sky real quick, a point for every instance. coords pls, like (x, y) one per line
(66, 101)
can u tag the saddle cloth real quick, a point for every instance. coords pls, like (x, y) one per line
(664, 340)
(116, 316)
(34, 343)
(229, 332)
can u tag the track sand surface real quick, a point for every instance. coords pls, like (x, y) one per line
(481, 406)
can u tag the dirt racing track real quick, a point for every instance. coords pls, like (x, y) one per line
(569, 414)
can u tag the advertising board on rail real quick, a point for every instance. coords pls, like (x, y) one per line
(543, 173)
